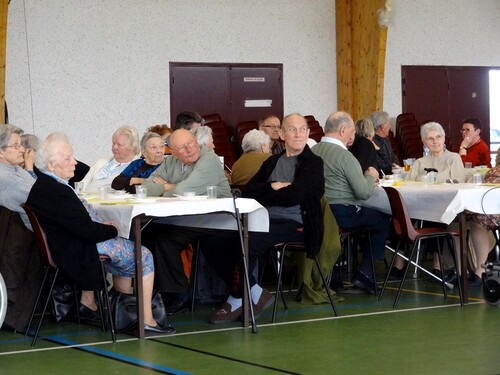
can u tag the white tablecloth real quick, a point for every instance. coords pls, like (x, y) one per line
(440, 202)
(207, 213)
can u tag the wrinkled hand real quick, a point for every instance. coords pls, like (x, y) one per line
(159, 180)
(372, 172)
(466, 142)
(279, 185)
(29, 159)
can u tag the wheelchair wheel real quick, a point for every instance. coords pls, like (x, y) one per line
(491, 291)
(3, 300)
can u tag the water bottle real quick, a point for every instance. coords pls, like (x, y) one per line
(426, 151)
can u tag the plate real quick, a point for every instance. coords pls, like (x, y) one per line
(192, 198)
(144, 200)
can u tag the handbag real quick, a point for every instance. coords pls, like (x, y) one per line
(124, 310)
(63, 300)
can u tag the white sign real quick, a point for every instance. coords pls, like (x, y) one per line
(255, 103)
(254, 79)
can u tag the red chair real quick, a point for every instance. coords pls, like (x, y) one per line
(404, 229)
(46, 255)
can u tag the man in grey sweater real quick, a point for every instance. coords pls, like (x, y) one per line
(345, 184)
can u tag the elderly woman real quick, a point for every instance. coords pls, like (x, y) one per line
(152, 148)
(363, 148)
(256, 150)
(204, 137)
(15, 181)
(125, 148)
(77, 236)
(447, 165)
(164, 131)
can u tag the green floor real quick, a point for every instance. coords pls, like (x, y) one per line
(425, 335)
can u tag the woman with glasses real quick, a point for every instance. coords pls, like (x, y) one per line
(448, 164)
(152, 148)
(15, 181)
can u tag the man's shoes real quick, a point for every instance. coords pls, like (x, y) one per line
(266, 299)
(158, 330)
(474, 280)
(452, 278)
(396, 274)
(225, 315)
(87, 314)
(177, 307)
(361, 281)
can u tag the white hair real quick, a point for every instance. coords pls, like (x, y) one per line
(254, 139)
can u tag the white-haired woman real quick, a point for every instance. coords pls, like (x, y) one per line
(446, 164)
(256, 150)
(153, 149)
(125, 148)
(77, 236)
(204, 137)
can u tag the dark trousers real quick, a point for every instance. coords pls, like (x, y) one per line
(352, 217)
(223, 251)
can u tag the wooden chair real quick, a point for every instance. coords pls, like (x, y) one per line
(403, 228)
(51, 266)
(213, 117)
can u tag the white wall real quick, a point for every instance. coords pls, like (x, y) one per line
(87, 67)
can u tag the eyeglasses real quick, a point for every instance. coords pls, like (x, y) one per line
(183, 147)
(272, 126)
(436, 138)
(16, 146)
(466, 130)
(296, 130)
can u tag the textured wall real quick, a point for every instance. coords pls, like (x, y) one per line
(95, 65)
(439, 32)
(87, 67)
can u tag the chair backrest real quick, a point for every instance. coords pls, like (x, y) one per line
(40, 237)
(400, 217)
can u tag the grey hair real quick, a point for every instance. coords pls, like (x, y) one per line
(203, 134)
(6, 132)
(30, 141)
(48, 150)
(254, 139)
(426, 128)
(364, 127)
(378, 118)
(336, 120)
(132, 134)
(146, 137)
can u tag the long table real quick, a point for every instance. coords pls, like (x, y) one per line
(128, 215)
(443, 203)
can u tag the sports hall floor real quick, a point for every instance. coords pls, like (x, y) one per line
(424, 335)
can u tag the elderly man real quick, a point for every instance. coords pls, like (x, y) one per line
(345, 185)
(271, 126)
(473, 149)
(189, 169)
(386, 158)
(290, 186)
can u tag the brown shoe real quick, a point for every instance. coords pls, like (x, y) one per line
(225, 315)
(266, 299)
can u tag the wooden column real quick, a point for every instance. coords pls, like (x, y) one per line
(361, 44)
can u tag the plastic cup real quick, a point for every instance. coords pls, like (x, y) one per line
(79, 187)
(426, 180)
(141, 192)
(477, 178)
(103, 192)
(397, 179)
(468, 164)
(212, 192)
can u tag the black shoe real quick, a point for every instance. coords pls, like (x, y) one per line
(396, 274)
(363, 282)
(159, 330)
(178, 307)
(474, 280)
(87, 314)
(452, 278)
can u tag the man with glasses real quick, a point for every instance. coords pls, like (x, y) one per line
(189, 169)
(188, 120)
(271, 126)
(290, 186)
(382, 126)
(473, 149)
